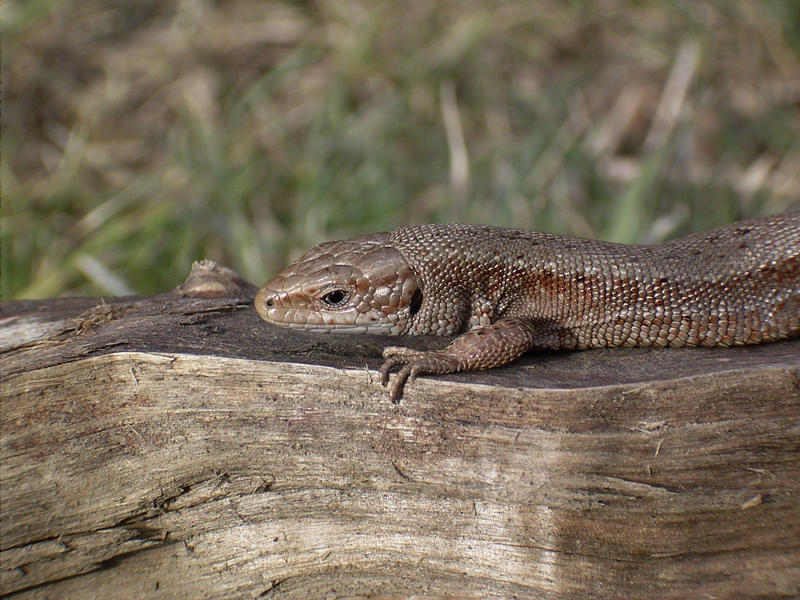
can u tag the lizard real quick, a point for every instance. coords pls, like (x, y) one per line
(503, 291)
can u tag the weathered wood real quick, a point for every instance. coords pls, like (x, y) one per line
(177, 446)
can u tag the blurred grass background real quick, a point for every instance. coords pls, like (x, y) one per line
(139, 136)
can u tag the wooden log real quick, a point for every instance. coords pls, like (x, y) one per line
(177, 446)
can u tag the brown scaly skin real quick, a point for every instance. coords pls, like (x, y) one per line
(506, 291)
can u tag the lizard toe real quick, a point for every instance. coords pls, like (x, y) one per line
(399, 383)
(388, 365)
(391, 351)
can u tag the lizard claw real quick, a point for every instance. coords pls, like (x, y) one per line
(396, 356)
(396, 392)
(412, 363)
(386, 367)
(405, 375)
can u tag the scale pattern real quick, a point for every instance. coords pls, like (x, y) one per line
(506, 291)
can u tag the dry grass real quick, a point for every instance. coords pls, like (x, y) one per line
(138, 136)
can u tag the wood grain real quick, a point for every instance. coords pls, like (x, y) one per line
(175, 446)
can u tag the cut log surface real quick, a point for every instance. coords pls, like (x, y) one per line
(177, 446)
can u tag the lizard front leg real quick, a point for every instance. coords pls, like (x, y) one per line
(485, 348)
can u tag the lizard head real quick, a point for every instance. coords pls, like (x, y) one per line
(363, 285)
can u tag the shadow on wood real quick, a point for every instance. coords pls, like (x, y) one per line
(177, 446)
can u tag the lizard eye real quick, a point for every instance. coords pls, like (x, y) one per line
(336, 298)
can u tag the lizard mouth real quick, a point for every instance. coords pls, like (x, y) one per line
(307, 320)
(276, 307)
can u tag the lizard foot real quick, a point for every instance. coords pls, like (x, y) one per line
(412, 363)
